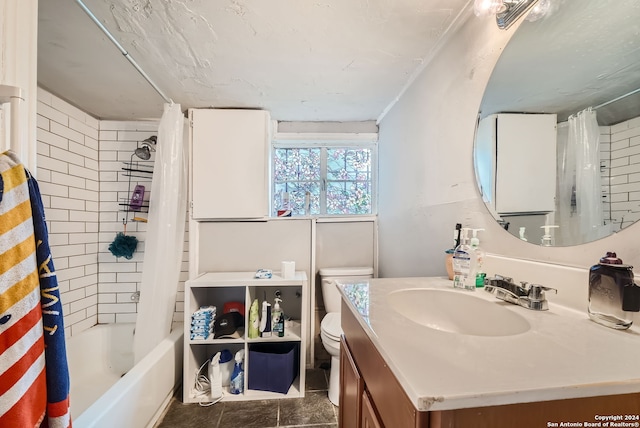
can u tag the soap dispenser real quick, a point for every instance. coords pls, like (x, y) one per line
(462, 264)
(613, 295)
(478, 254)
(546, 238)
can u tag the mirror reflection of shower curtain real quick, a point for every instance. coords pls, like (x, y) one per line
(584, 141)
(569, 231)
(165, 235)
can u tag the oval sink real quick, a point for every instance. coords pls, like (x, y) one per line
(457, 312)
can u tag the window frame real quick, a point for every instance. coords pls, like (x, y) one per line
(326, 141)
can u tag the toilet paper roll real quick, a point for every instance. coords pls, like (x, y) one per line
(288, 270)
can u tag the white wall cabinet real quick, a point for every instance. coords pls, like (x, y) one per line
(229, 163)
(217, 288)
(515, 161)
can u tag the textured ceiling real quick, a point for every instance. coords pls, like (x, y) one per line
(320, 60)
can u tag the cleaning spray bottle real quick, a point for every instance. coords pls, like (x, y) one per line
(237, 377)
(478, 254)
(278, 316)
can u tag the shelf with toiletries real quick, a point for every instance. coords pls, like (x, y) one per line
(236, 292)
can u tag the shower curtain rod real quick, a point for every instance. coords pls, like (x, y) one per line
(606, 103)
(124, 52)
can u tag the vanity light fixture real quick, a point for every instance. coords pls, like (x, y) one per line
(538, 11)
(506, 11)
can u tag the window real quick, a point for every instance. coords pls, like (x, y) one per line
(337, 178)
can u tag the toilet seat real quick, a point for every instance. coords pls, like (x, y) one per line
(330, 326)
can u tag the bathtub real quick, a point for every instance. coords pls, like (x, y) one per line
(107, 391)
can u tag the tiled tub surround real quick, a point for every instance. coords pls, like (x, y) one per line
(80, 175)
(68, 153)
(623, 190)
(563, 354)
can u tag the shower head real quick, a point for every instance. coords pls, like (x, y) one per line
(148, 146)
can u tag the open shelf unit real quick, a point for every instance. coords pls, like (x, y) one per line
(217, 288)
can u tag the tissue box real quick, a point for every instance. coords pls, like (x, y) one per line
(273, 366)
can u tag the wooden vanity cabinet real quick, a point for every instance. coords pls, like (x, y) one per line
(382, 402)
(369, 417)
(351, 389)
(372, 397)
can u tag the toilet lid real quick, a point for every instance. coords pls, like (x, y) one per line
(330, 325)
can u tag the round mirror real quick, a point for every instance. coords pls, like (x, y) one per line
(557, 150)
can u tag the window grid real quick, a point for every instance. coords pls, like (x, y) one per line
(345, 184)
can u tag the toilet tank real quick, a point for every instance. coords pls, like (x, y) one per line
(328, 276)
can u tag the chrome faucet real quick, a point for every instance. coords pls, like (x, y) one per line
(530, 296)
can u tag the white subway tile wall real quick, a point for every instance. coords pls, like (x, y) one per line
(118, 277)
(605, 170)
(86, 193)
(68, 178)
(624, 173)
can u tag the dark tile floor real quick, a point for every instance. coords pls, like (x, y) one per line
(314, 410)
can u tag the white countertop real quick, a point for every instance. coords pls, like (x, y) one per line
(563, 354)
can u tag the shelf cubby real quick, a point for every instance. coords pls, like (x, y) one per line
(218, 288)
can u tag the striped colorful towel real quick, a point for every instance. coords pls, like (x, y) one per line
(34, 377)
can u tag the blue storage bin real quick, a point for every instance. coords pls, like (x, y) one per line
(272, 366)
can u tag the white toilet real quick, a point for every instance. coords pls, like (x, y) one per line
(330, 329)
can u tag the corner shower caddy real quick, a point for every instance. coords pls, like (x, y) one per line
(142, 169)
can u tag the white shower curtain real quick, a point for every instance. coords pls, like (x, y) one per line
(165, 234)
(584, 143)
(565, 199)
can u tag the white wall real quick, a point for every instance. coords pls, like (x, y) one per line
(427, 182)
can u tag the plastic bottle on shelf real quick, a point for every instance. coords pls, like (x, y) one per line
(278, 317)
(254, 320)
(265, 319)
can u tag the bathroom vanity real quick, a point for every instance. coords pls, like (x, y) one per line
(401, 367)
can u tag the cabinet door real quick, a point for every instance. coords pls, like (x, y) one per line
(351, 389)
(369, 417)
(229, 163)
(525, 163)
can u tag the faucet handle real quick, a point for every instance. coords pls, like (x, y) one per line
(503, 278)
(536, 291)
